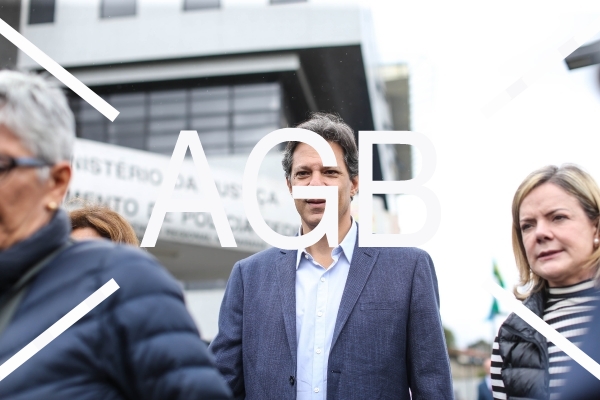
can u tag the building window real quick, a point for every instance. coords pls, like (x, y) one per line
(287, 1)
(200, 4)
(117, 8)
(41, 11)
(228, 119)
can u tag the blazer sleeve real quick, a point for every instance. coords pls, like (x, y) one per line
(227, 345)
(580, 383)
(427, 362)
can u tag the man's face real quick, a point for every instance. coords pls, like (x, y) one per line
(308, 170)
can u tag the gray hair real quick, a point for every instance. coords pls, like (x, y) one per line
(38, 114)
(333, 129)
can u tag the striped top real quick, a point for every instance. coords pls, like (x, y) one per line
(568, 310)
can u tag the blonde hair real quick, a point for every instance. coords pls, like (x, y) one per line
(108, 223)
(575, 182)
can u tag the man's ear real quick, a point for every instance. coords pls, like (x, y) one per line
(289, 184)
(354, 189)
(58, 181)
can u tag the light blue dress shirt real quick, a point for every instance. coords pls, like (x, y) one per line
(318, 295)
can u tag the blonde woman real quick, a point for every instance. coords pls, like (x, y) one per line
(555, 240)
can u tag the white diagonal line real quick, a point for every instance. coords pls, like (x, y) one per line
(551, 56)
(57, 328)
(542, 327)
(59, 72)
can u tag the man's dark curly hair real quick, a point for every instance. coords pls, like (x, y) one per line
(333, 129)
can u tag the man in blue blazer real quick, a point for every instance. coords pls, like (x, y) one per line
(341, 323)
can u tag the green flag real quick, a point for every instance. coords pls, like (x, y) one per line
(495, 307)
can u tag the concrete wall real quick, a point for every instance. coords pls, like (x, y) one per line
(162, 30)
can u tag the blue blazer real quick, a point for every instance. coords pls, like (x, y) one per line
(388, 336)
(581, 384)
(483, 392)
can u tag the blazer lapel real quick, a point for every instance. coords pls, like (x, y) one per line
(363, 260)
(286, 271)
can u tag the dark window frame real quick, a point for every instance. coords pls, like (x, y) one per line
(41, 12)
(105, 15)
(273, 2)
(197, 5)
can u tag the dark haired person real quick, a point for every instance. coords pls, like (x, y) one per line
(332, 323)
(139, 343)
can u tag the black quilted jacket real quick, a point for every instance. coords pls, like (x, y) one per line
(139, 343)
(524, 354)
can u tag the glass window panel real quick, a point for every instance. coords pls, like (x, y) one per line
(200, 4)
(117, 8)
(259, 89)
(211, 123)
(257, 97)
(117, 129)
(210, 93)
(253, 119)
(215, 106)
(88, 113)
(217, 151)
(242, 149)
(93, 131)
(251, 136)
(174, 109)
(258, 103)
(214, 139)
(41, 11)
(170, 103)
(164, 127)
(135, 142)
(167, 96)
(132, 112)
(126, 99)
(162, 142)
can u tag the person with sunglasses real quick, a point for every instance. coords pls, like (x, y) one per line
(139, 343)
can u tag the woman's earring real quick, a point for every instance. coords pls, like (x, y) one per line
(596, 242)
(51, 206)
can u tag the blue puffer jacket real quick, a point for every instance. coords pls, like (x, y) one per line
(140, 343)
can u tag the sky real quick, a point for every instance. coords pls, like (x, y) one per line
(461, 55)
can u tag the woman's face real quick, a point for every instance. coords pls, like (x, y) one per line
(23, 196)
(557, 235)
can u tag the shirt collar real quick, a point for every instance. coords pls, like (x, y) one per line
(347, 244)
